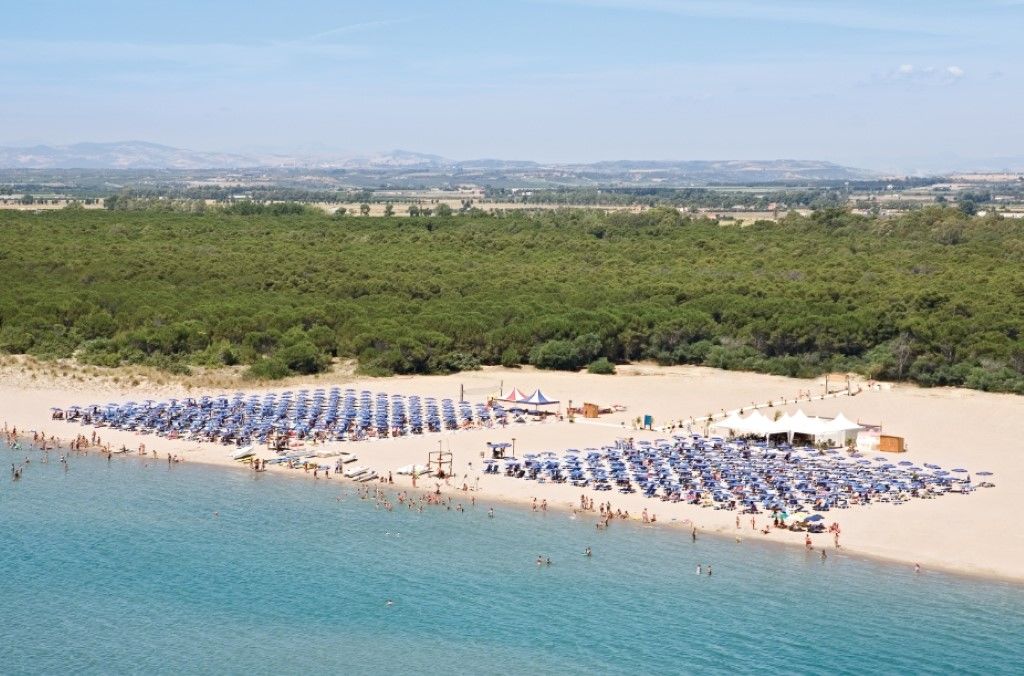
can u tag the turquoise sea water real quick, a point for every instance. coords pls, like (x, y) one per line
(122, 567)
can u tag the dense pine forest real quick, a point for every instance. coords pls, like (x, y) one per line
(935, 297)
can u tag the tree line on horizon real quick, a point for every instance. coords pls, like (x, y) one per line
(934, 296)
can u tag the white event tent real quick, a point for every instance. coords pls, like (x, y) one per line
(837, 431)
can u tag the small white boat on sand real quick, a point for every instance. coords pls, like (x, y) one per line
(353, 472)
(360, 474)
(244, 452)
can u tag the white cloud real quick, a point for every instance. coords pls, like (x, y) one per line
(801, 12)
(344, 30)
(909, 72)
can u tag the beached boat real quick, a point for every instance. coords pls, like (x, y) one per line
(242, 453)
(356, 472)
(361, 474)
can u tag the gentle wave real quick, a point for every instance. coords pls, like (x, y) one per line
(123, 567)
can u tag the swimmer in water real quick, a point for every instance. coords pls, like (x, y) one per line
(587, 552)
(389, 603)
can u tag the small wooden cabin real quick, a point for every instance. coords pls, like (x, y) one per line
(890, 444)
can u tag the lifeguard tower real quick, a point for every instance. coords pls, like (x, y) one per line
(439, 464)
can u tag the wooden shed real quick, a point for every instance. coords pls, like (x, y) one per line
(890, 444)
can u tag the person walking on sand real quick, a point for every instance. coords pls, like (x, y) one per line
(807, 542)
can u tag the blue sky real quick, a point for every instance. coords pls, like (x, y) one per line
(891, 85)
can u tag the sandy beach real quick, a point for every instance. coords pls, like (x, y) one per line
(969, 534)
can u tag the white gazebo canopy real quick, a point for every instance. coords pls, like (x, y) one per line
(838, 430)
(733, 421)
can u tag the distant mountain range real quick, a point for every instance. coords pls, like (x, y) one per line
(119, 155)
(143, 155)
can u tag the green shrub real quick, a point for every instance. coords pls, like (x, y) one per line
(267, 369)
(302, 357)
(601, 367)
